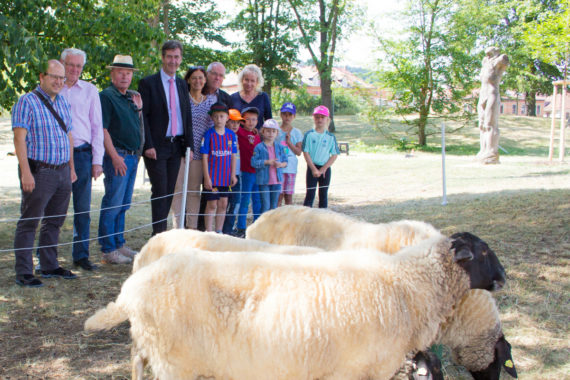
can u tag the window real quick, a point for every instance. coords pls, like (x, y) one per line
(538, 110)
(514, 109)
(523, 108)
(502, 110)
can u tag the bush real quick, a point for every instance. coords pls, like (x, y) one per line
(345, 102)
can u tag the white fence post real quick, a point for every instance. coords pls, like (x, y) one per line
(444, 200)
(184, 190)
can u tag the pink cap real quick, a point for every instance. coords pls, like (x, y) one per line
(271, 124)
(321, 110)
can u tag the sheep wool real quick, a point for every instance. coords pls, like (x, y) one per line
(472, 330)
(304, 226)
(179, 239)
(248, 316)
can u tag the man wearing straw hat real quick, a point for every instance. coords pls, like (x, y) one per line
(123, 140)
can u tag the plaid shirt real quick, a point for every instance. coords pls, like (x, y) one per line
(45, 140)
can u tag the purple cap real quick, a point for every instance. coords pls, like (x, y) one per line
(289, 107)
(321, 110)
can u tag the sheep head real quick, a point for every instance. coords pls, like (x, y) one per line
(479, 261)
(503, 359)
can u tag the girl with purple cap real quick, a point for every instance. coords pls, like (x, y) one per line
(320, 150)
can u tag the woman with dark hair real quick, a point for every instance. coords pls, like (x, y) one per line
(200, 105)
(250, 81)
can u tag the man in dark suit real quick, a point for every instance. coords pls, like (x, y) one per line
(168, 130)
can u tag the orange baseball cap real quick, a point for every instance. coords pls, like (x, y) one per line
(235, 115)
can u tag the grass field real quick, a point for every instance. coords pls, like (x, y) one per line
(520, 207)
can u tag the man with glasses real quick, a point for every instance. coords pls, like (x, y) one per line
(215, 74)
(88, 149)
(41, 122)
(168, 130)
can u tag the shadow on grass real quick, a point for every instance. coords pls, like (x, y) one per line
(41, 329)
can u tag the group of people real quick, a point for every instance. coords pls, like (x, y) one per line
(67, 134)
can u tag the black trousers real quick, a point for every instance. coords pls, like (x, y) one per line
(323, 182)
(163, 173)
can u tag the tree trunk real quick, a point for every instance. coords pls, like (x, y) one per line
(422, 122)
(326, 96)
(165, 18)
(530, 103)
(267, 87)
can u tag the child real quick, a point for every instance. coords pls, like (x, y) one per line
(235, 195)
(269, 159)
(219, 148)
(320, 151)
(292, 139)
(248, 138)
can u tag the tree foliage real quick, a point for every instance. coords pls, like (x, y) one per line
(37, 30)
(320, 33)
(431, 69)
(270, 42)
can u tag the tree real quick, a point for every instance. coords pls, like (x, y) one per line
(270, 43)
(548, 36)
(333, 17)
(37, 30)
(431, 69)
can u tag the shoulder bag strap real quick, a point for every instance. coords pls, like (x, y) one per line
(51, 109)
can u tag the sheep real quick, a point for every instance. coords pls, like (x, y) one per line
(304, 226)
(338, 315)
(177, 239)
(475, 337)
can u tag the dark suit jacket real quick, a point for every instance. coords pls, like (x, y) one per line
(155, 113)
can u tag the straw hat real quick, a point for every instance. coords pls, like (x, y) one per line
(122, 62)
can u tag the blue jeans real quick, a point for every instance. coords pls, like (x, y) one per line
(233, 208)
(82, 158)
(269, 196)
(248, 189)
(118, 191)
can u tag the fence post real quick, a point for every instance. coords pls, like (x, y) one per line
(444, 200)
(184, 190)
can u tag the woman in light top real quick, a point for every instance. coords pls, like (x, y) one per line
(200, 105)
(250, 81)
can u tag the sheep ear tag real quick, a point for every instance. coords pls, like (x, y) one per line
(463, 254)
(503, 352)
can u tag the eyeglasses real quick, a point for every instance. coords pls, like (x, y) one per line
(55, 77)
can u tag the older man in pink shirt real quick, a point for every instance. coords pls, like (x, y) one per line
(88, 148)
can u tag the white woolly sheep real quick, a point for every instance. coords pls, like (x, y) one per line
(474, 335)
(304, 226)
(339, 315)
(180, 239)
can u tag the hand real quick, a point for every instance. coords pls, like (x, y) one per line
(150, 153)
(96, 171)
(28, 182)
(270, 162)
(316, 173)
(288, 137)
(233, 181)
(73, 175)
(137, 100)
(119, 165)
(207, 184)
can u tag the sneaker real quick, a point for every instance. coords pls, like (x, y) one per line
(240, 233)
(28, 280)
(59, 273)
(115, 257)
(85, 264)
(127, 252)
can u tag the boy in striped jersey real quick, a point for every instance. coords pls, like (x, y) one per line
(219, 148)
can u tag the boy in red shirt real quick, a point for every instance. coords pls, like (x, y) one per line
(248, 138)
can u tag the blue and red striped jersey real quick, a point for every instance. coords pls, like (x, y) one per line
(219, 149)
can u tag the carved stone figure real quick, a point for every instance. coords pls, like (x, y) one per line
(494, 66)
